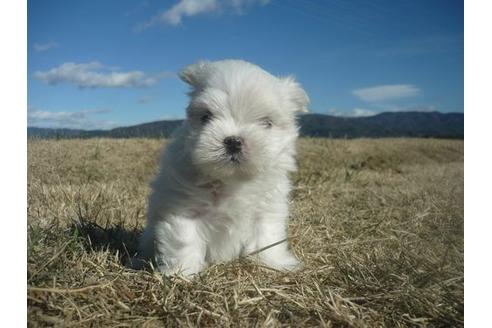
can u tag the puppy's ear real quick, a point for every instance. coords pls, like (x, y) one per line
(194, 74)
(296, 94)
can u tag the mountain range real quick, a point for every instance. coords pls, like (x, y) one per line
(389, 124)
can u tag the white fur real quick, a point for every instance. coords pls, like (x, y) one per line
(205, 208)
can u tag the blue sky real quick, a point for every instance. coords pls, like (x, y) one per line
(101, 64)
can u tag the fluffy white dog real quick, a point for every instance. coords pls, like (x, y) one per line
(222, 190)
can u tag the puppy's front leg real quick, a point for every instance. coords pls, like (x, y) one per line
(270, 230)
(178, 246)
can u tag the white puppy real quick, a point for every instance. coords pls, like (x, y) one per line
(222, 190)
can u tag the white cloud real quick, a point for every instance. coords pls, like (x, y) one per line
(71, 120)
(362, 112)
(174, 15)
(408, 108)
(386, 92)
(356, 112)
(44, 46)
(95, 75)
(189, 8)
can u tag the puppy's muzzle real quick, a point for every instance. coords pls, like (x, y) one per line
(233, 145)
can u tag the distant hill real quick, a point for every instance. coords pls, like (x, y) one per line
(391, 124)
(159, 129)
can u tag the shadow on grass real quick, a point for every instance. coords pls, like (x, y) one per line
(115, 238)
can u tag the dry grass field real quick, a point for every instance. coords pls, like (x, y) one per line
(378, 223)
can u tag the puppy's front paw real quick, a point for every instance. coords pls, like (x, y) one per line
(285, 264)
(183, 269)
(292, 265)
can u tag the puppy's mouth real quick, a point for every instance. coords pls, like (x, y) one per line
(236, 158)
(231, 158)
(229, 165)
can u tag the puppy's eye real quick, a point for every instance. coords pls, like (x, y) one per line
(206, 117)
(266, 122)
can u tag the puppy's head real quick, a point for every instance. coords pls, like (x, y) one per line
(241, 119)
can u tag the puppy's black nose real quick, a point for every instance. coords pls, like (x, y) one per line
(233, 145)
